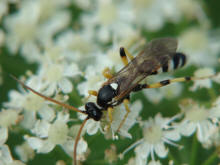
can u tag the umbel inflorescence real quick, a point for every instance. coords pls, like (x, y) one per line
(72, 42)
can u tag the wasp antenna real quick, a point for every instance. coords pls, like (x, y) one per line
(47, 98)
(77, 140)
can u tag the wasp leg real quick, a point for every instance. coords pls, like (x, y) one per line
(125, 102)
(110, 110)
(124, 53)
(92, 92)
(161, 83)
(169, 81)
(107, 73)
(139, 87)
(128, 54)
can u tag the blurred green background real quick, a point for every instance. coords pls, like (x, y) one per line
(16, 65)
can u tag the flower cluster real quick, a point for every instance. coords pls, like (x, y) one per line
(72, 42)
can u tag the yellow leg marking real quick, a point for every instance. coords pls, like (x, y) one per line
(124, 53)
(107, 73)
(128, 54)
(155, 85)
(125, 102)
(124, 60)
(92, 92)
(166, 82)
(110, 110)
(180, 79)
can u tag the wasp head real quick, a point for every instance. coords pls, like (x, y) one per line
(93, 111)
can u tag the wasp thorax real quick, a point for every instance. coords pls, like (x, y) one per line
(93, 111)
(105, 96)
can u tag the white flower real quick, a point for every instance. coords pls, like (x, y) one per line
(56, 75)
(113, 18)
(153, 14)
(131, 161)
(156, 132)
(8, 118)
(172, 91)
(214, 139)
(49, 8)
(48, 135)
(5, 155)
(77, 42)
(192, 10)
(22, 26)
(198, 119)
(199, 47)
(3, 8)
(119, 114)
(30, 103)
(156, 95)
(24, 152)
(153, 95)
(111, 154)
(94, 80)
(4, 135)
(205, 83)
(153, 162)
(35, 21)
(6, 158)
(92, 127)
(84, 4)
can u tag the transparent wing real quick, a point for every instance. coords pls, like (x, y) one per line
(155, 54)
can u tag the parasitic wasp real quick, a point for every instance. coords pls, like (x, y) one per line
(159, 55)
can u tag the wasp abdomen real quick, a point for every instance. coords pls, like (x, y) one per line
(178, 60)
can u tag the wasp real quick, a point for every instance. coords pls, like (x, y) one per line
(159, 55)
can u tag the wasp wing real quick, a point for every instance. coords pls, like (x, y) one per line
(155, 54)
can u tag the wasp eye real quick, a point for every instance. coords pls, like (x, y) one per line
(93, 111)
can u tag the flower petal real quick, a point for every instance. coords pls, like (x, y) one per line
(204, 129)
(42, 146)
(143, 150)
(172, 135)
(92, 127)
(5, 155)
(34, 142)
(65, 85)
(41, 128)
(160, 150)
(47, 113)
(71, 70)
(3, 135)
(187, 129)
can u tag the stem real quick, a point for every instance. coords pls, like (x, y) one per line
(211, 158)
(194, 151)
